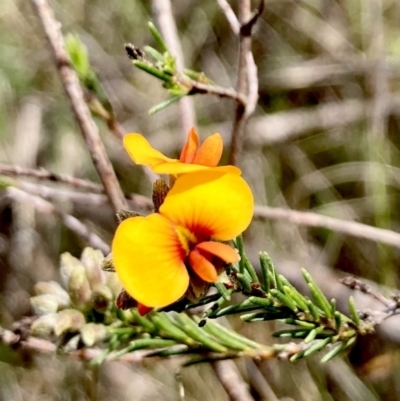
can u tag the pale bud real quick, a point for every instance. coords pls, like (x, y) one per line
(113, 283)
(79, 288)
(102, 298)
(69, 320)
(91, 333)
(91, 260)
(68, 263)
(54, 289)
(44, 325)
(44, 304)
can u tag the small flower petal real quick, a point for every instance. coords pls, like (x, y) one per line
(202, 267)
(210, 152)
(190, 148)
(148, 259)
(222, 251)
(141, 152)
(210, 203)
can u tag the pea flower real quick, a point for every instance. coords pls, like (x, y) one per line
(193, 156)
(156, 256)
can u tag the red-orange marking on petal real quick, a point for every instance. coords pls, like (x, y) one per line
(143, 309)
(222, 251)
(202, 267)
(190, 148)
(210, 152)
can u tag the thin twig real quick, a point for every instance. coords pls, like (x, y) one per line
(247, 83)
(310, 219)
(91, 199)
(230, 379)
(71, 222)
(31, 343)
(80, 109)
(230, 16)
(359, 285)
(43, 174)
(163, 14)
(200, 88)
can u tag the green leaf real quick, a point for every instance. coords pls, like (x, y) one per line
(165, 104)
(157, 37)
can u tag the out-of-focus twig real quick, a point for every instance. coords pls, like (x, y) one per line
(81, 111)
(30, 343)
(310, 219)
(71, 222)
(163, 14)
(230, 16)
(247, 83)
(91, 199)
(43, 174)
(230, 379)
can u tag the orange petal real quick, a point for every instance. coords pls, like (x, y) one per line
(210, 152)
(210, 203)
(202, 267)
(190, 148)
(148, 259)
(177, 168)
(141, 152)
(222, 251)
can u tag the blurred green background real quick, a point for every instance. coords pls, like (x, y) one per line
(324, 138)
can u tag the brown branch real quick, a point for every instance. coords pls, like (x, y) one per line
(163, 14)
(247, 83)
(43, 174)
(71, 222)
(310, 219)
(80, 109)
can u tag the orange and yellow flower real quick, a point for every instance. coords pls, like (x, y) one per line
(193, 156)
(154, 256)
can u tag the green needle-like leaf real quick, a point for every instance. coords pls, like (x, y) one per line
(157, 37)
(265, 263)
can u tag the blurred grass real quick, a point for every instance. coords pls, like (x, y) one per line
(309, 54)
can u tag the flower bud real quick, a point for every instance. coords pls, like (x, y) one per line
(44, 325)
(91, 333)
(44, 304)
(67, 264)
(79, 288)
(54, 289)
(102, 298)
(125, 214)
(113, 283)
(107, 264)
(69, 320)
(91, 260)
(160, 191)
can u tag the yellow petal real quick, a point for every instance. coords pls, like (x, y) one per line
(141, 152)
(190, 148)
(148, 259)
(222, 251)
(210, 203)
(202, 267)
(210, 152)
